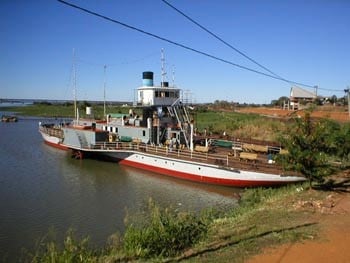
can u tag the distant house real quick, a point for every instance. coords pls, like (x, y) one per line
(300, 96)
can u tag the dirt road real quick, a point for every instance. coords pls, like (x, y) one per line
(333, 244)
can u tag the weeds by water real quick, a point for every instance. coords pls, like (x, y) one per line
(165, 234)
(72, 250)
(264, 217)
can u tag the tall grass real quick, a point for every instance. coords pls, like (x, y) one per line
(72, 250)
(232, 123)
(240, 125)
(159, 233)
(165, 234)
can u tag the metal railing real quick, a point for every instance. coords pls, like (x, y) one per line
(159, 150)
(56, 132)
(224, 160)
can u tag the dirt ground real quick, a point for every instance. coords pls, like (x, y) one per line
(332, 113)
(333, 244)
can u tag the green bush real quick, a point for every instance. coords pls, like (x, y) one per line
(165, 234)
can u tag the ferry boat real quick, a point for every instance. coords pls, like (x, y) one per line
(162, 139)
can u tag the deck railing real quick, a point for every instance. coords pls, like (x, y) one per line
(224, 159)
(52, 131)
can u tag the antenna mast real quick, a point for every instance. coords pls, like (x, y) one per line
(162, 59)
(173, 76)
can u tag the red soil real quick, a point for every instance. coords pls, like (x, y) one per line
(335, 114)
(333, 245)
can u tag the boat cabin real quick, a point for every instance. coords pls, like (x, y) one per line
(150, 95)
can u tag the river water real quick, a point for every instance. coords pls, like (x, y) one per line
(44, 192)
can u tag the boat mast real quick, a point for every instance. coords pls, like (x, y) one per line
(75, 86)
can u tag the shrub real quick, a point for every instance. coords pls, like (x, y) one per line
(165, 234)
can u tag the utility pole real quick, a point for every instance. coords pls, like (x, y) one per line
(348, 92)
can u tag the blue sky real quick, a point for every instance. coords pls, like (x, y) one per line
(303, 41)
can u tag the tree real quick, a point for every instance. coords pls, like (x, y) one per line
(309, 147)
(333, 99)
(280, 101)
(342, 143)
(84, 104)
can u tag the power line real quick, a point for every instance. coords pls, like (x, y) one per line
(232, 47)
(181, 45)
(337, 90)
(220, 39)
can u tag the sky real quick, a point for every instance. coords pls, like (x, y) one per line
(303, 41)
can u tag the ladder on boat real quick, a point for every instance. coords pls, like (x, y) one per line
(82, 140)
(183, 120)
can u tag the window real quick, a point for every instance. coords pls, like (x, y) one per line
(143, 133)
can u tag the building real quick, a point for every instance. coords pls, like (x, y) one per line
(300, 96)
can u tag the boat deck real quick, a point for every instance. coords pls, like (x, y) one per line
(225, 158)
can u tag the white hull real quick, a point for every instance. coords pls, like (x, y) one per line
(199, 172)
(53, 141)
(163, 162)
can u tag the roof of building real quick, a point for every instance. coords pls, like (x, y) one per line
(297, 92)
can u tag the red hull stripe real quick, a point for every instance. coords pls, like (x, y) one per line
(58, 146)
(202, 179)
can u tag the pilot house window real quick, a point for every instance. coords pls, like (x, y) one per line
(166, 94)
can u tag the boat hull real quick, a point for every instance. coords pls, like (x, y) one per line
(53, 141)
(198, 172)
(183, 169)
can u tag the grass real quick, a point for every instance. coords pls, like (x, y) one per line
(265, 217)
(164, 234)
(72, 250)
(239, 125)
(63, 110)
